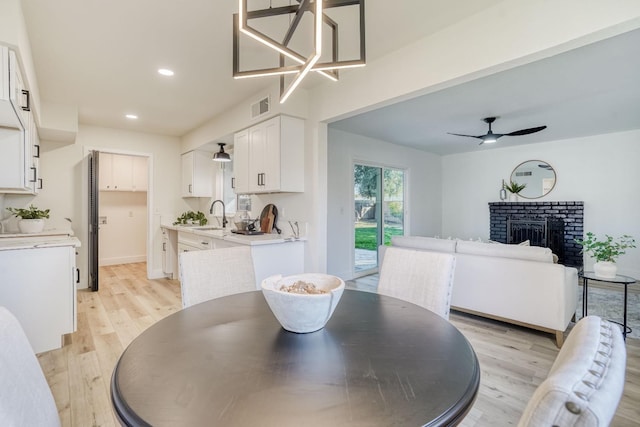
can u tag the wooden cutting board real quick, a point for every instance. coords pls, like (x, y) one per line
(267, 218)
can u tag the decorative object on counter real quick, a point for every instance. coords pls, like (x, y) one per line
(32, 219)
(303, 312)
(514, 188)
(503, 192)
(221, 156)
(269, 219)
(295, 229)
(243, 222)
(191, 218)
(606, 252)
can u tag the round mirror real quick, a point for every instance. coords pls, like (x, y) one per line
(539, 177)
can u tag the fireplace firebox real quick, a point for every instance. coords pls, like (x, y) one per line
(554, 225)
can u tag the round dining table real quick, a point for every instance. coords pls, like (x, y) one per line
(379, 361)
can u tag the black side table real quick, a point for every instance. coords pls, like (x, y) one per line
(620, 280)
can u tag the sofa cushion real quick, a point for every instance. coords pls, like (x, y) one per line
(529, 253)
(424, 243)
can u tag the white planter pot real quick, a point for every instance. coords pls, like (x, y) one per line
(605, 269)
(30, 226)
(513, 197)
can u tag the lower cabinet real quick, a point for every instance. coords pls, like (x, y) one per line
(39, 287)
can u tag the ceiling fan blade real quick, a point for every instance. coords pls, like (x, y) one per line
(470, 136)
(526, 131)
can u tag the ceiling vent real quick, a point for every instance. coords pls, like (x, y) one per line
(260, 108)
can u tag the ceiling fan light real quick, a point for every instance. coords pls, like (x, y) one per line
(221, 156)
(489, 139)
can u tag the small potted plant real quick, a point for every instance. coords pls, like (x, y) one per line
(514, 188)
(31, 219)
(191, 218)
(606, 252)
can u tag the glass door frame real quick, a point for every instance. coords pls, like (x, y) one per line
(379, 211)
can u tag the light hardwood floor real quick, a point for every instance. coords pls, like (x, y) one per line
(513, 360)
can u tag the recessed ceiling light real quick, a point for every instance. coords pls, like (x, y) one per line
(165, 72)
(131, 116)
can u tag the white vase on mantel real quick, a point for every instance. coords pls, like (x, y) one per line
(513, 197)
(605, 269)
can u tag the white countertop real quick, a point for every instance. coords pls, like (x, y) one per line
(226, 234)
(32, 241)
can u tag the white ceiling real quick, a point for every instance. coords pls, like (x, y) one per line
(102, 57)
(587, 91)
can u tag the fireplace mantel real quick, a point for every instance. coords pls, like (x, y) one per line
(571, 213)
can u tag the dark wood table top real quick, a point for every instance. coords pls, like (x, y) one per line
(379, 361)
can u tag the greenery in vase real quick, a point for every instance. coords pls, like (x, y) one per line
(191, 217)
(31, 213)
(514, 187)
(606, 250)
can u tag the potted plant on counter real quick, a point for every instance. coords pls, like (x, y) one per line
(514, 188)
(191, 218)
(606, 252)
(31, 219)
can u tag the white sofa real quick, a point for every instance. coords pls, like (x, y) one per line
(511, 283)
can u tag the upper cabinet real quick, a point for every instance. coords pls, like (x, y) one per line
(119, 172)
(19, 143)
(269, 157)
(197, 174)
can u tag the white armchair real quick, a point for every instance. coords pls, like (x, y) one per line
(423, 278)
(25, 397)
(586, 380)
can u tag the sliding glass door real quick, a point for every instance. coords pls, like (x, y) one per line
(379, 213)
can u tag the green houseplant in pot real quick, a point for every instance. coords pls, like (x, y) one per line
(514, 188)
(606, 252)
(31, 219)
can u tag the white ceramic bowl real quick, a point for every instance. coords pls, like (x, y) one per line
(303, 313)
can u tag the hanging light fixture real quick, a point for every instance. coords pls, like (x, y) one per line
(305, 64)
(221, 156)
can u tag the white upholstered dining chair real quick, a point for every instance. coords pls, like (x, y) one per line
(585, 383)
(215, 273)
(25, 396)
(421, 277)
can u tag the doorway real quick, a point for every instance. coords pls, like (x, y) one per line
(378, 195)
(119, 208)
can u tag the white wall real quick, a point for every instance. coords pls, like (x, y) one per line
(602, 171)
(423, 191)
(123, 239)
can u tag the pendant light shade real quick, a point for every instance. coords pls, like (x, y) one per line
(221, 156)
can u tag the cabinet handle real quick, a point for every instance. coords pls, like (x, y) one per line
(35, 174)
(190, 189)
(77, 275)
(27, 97)
(233, 183)
(164, 246)
(205, 243)
(39, 183)
(37, 154)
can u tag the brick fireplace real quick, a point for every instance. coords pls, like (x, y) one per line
(555, 225)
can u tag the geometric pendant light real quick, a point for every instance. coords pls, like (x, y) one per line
(303, 64)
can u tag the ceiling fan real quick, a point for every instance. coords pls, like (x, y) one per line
(491, 137)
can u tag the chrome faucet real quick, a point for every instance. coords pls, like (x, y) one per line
(224, 217)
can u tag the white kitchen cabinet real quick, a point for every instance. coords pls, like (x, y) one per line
(169, 251)
(18, 133)
(198, 174)
(269, 157)
(119, 172)
(39, 287)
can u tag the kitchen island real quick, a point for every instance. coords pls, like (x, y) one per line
(38, 285)
(272, 253)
